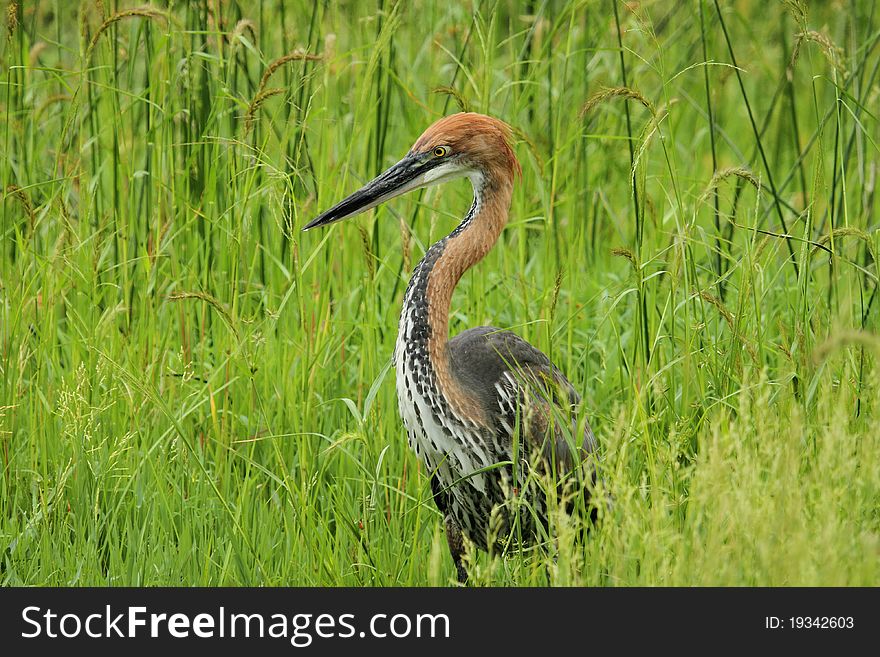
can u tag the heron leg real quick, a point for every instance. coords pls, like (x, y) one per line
(454, 537)
(456, 548)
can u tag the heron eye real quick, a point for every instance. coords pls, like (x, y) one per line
(440, 151)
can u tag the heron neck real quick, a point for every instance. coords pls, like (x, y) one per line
(435, 278)
(462, 249)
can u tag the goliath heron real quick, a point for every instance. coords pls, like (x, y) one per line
(485, 409)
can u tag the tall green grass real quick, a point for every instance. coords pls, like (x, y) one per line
(194, 392)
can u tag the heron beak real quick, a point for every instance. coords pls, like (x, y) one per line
(406, 175)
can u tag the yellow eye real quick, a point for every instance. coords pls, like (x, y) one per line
(440, 151)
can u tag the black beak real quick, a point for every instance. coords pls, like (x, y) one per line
(404, 176)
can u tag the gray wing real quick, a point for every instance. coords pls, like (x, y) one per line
(517, 385)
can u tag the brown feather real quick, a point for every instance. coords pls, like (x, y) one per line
(462, 252)
(483, 141)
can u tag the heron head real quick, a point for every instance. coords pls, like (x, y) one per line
(461, 145)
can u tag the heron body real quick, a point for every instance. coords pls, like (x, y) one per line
(485, 410)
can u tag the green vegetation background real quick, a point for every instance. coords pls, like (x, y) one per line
(193, 392)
